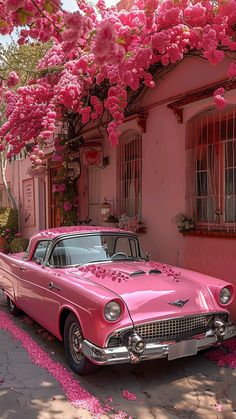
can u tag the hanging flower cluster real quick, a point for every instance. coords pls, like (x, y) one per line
(65, 193)
(65, 187)
(99, 55)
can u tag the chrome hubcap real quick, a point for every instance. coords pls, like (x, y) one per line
(75, 342)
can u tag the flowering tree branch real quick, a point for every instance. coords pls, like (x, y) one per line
(96, 66)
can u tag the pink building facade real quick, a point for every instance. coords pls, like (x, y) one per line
(178, 151)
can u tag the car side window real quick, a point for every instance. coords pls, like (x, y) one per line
(59, 256)
(123, 245)
(41, 249)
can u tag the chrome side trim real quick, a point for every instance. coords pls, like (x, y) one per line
(119, 355)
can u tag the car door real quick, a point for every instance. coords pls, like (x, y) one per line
(55, 288)
(33, 278)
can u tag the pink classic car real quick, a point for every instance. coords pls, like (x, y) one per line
(92, 288)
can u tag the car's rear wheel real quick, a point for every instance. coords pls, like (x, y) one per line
(73, 339)
(12, 307)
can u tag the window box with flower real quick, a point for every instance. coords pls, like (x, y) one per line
(184, 222)
(113, 220)
(132, 224)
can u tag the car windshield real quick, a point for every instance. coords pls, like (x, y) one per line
(91, 248)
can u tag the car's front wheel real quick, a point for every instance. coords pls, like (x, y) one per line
(73, 339)
(15, 311)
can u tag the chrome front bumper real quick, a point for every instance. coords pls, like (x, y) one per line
(171, 350)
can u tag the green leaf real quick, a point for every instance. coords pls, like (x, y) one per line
(121, 41)
(22, 16)
(48, 7)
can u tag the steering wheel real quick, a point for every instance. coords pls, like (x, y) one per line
(116, 255)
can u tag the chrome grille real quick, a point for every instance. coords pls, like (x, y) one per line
(172, 329)
(175, 328)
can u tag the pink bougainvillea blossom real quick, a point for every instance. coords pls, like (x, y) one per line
(100, 272)
(167, 270)
(219, 407)
(67, 205)
(219, 99)
(220, 102)
(13, 79)
(225, 355)
(106, 56)
(59, 187)
(128, 395)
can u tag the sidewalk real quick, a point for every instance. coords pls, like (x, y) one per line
(26, 390)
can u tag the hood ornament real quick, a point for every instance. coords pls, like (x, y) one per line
(179, 303)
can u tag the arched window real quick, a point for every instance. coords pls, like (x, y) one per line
(129, 174)
(211, 169)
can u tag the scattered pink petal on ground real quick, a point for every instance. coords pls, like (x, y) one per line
(109, 399)
(128, 395)
(225, 355)
(219, 407)
(120, 415)
(77, 395)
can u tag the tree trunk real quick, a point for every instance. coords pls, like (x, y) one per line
(7, 189)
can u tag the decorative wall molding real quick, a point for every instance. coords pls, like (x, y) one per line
(208, 91)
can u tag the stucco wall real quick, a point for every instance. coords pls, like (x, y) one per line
(164, 179)
(16, 174)
(163, 175)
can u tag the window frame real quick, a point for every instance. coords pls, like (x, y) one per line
(46, 251)
(129, 153)
(225, 122)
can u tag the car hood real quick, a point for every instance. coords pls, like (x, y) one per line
(150, 290)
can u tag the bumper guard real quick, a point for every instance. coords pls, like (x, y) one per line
(171, 350)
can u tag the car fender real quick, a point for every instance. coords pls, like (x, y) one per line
(71, 308)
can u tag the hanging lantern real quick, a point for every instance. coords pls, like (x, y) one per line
(105, 210)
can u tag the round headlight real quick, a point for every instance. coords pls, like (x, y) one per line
(112, 311)
(225, 295)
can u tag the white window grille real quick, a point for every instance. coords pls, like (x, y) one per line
(129, 175)
(211, 169)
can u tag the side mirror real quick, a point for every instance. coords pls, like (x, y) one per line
(147, 255)
(39, 261)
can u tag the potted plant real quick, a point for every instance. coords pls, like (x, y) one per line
(132, 224)
(5, 234)
(18, 244)
(184, 222)
(112, 218)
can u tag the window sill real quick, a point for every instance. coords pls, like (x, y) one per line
(212, 234)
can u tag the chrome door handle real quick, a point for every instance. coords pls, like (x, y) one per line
(22, 268)
(53, 286)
